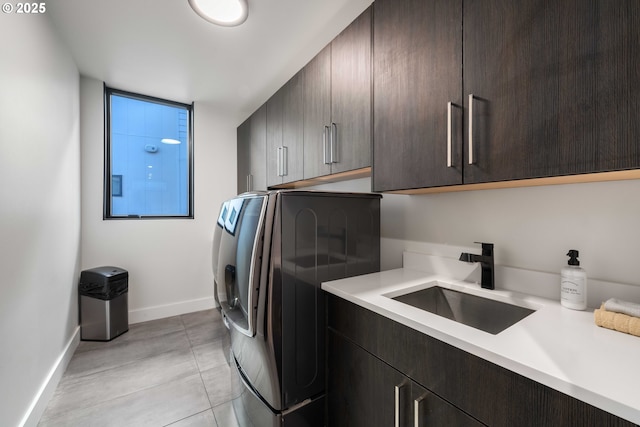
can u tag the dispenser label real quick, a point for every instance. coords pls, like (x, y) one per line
(572, 290)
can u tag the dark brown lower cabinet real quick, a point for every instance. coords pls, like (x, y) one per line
(365, 391)
(370, 355)
(361, 387)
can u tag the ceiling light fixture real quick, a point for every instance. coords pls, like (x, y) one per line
(170, 141)
(228, 13)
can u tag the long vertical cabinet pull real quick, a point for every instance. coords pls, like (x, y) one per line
(470, 128)
(334, 143)
(282, 161)
(279, 162)
(249, 182)
(449, 136)
(416, 411)
(396, 405)
(325, 146)
(285, 161)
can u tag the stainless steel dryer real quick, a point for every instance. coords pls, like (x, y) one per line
(271, 252)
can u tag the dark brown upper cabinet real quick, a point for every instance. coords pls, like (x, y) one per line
(337, 103)
(417, 86)
(555, 87)
(243, 149)
(284, 156)
(252, 144)
(549, 89)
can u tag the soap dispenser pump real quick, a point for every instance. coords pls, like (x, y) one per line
(573, 283)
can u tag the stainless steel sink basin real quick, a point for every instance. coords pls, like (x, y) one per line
(481, 313)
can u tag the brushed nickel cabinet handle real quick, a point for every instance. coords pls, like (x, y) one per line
(279, 162)
(334, 143)
(416, 411)
(449, 136)
(285, 161)
(396, 405)
(470, 128)
(325, 146)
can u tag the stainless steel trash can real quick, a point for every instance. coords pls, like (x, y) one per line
(104, 311)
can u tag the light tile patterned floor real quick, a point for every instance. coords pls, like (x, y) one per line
(165, 372)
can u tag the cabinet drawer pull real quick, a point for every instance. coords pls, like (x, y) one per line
(470, 128)
(416, 411)
(334, 143)
(249, 182)
(449, 108)
(325, 146)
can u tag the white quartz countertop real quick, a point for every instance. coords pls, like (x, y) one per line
(558, 347)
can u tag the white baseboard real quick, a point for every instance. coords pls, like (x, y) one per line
(48, 388)
(168, 310)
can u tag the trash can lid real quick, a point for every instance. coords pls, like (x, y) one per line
(106, 271)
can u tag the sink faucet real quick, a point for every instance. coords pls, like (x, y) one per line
(486, 263)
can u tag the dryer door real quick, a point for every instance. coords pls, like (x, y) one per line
(239, 259)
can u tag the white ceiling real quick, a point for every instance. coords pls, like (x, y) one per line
(162, 48)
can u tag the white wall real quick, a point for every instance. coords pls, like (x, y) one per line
(39, 211)
(169, 261)
(532, 228)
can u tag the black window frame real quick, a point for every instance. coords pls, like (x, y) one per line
(106, 214)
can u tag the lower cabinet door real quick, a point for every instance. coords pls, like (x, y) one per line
(365, 391)
(361, 389)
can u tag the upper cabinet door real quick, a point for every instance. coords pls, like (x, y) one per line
(284, 133)
(258, 136)
(351, 96)
(275, 106)
(337, 103)
(618, 84)
(243, 146)
(551, 87)
(317, 115)
(252, 135)
(417, 75)
(292, 129)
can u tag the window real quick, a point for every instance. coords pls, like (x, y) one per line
(148, 157)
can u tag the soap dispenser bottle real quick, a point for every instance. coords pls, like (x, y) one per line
(573, 284)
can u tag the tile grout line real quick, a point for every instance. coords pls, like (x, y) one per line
(193, 354)
(189, 416)
(191, 345)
